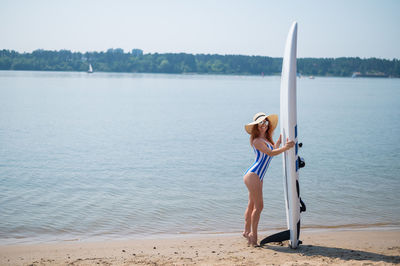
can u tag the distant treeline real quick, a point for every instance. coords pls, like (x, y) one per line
(116, 60)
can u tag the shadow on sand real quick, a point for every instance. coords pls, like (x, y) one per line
(335, 253)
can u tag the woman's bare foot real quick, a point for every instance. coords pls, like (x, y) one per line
(246, 234)
(252, 240)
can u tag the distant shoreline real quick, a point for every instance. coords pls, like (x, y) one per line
(116, 60)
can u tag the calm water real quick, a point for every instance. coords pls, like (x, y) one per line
(139, 155)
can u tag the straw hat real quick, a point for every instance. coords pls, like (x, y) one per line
(273, 121)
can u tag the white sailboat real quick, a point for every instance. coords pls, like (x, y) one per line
(90, 68)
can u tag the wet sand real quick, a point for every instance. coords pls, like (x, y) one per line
(334, 247)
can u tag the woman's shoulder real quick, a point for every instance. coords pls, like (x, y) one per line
(261, 140)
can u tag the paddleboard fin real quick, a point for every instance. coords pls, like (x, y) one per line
(278, 237)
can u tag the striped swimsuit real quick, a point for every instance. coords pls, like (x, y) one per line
(261, 163)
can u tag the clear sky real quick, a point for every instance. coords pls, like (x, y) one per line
(336, 28)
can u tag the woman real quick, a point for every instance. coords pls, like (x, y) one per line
(261, 131)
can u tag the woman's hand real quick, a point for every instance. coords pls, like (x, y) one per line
(289, 144)
(278, 142)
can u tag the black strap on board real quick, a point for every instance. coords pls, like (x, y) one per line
(303, 207)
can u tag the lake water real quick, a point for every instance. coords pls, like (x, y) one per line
(125, 156)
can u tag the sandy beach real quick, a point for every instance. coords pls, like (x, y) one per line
(335, 247)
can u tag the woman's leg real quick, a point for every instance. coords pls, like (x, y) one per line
(254, 185)
(247, 217)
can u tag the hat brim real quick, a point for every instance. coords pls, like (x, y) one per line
(273, 122)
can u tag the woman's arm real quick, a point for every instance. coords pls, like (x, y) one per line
(278, 142)
(261, 146)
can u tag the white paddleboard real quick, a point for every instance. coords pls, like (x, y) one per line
(288, 123)
(291, 162)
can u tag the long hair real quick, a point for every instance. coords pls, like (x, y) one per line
(255, 133)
